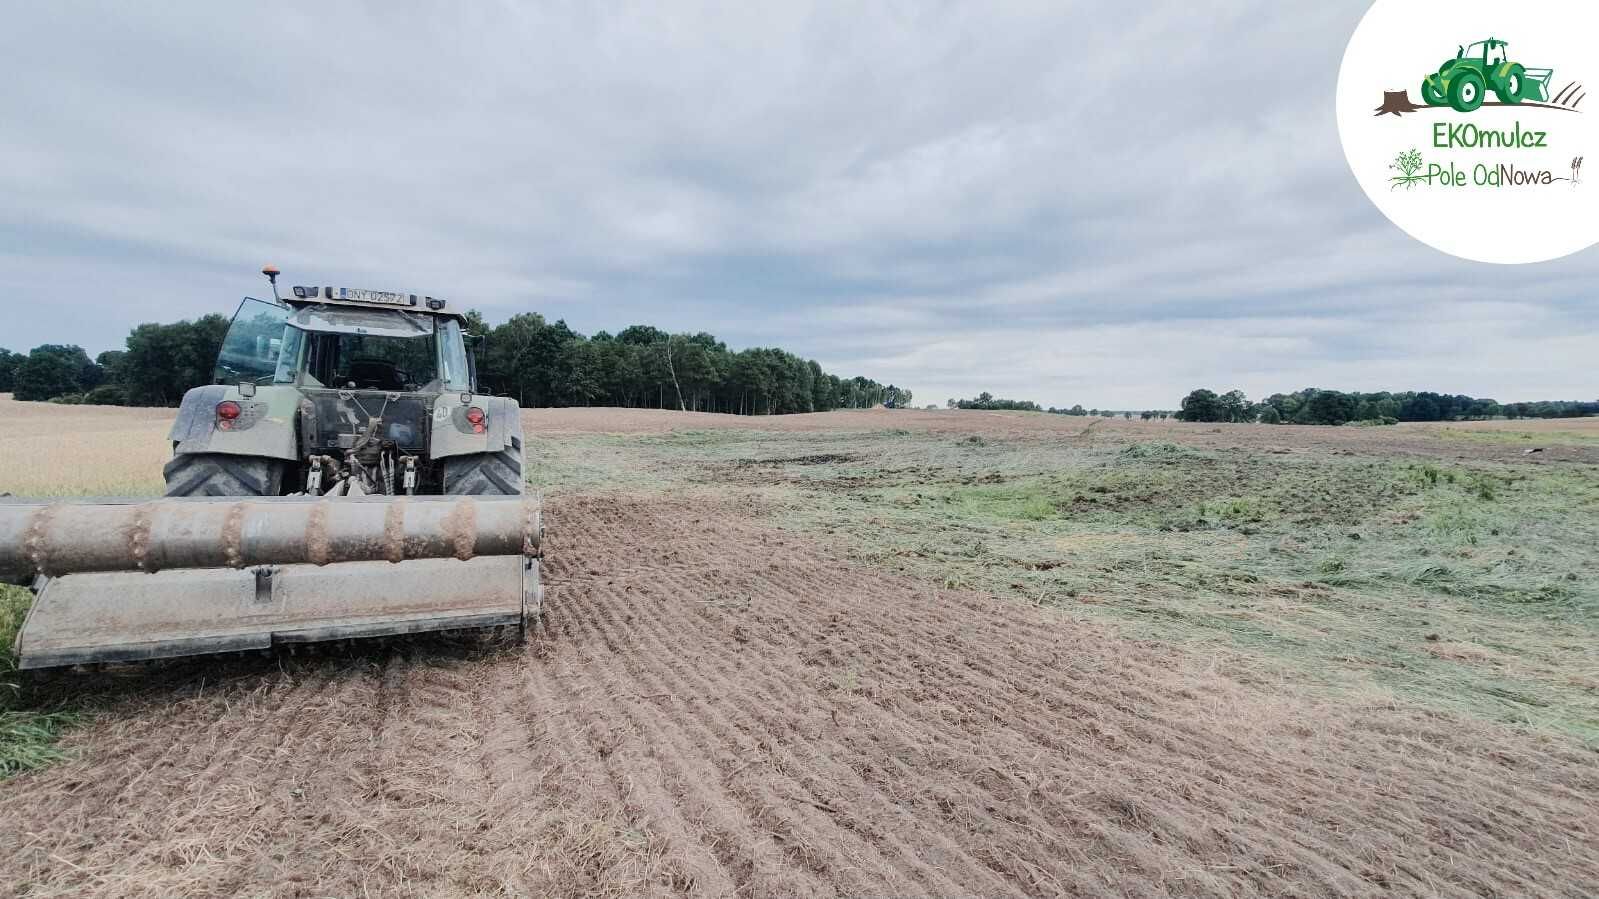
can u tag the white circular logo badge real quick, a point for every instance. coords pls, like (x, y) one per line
(1468, 122)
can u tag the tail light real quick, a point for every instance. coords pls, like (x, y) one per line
(227, 411)
(476, 419)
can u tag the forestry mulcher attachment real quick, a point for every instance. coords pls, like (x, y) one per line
(342, 478)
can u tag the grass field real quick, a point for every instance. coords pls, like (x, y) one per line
(1463, 583)
(1424, 593)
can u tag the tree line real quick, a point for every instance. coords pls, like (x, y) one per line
(1314, 406)
(538, 362)
(986, 400)
(158, 363)
(548, 364)
(1146, 414)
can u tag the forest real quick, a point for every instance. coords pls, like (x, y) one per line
(1315, 406)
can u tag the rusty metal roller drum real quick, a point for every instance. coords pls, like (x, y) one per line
(78, 536)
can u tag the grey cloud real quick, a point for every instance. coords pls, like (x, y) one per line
(1092, 203)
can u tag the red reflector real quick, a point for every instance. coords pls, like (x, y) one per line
(474, 415)
(228, 410)
(478, 428)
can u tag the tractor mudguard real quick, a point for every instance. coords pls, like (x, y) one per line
(265, 426)
(452, 434)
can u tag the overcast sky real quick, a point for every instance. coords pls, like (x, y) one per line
(1064, 202)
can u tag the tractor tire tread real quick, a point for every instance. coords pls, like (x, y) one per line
(486, 474)
(220, 474)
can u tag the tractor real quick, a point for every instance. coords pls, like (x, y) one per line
(343, 477)
(1463, 82)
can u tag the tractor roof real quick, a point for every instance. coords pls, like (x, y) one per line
(343, 318)
(369, 299)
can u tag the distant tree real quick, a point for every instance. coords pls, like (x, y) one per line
(91, 375)
(1270, 416)
(1127, 415)
(110, 363)
(51, 370)
(986, 400)
(1421, 407)
(108, 394)
(162, 362)
(522, 356)
(1206, 405)
(1236, 407)
(665, 349)
(641, 335)
(1329, 407)
(1202, 405)
(8, 369)
(580, 361)
(473, 323)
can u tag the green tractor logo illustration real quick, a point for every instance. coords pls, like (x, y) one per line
(1464, 82)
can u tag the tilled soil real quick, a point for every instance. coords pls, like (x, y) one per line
(718, 708)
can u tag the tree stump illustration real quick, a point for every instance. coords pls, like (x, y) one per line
(1397, 103)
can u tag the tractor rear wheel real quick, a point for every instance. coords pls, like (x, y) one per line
(1509, 88)
(1465, 91)
(486, 474)
(220, 474)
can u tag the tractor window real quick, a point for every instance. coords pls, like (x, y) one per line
(1496, 55)
(452, 356)
(1474, 51)
(289, 357)
(364, 362)
(253, 344)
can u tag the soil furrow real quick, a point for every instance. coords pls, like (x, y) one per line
(775, 863)
(691, 772)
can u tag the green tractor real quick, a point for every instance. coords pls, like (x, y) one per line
(1463, 82)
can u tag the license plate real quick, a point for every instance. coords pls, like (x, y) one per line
(385, 297)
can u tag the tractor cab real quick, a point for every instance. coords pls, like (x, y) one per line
(314, 341)
(1490, 52)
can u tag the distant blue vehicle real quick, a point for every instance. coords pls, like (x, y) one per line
(891, 398)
